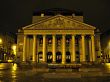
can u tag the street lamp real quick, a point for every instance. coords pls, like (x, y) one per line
(14, 49)
(1, 42)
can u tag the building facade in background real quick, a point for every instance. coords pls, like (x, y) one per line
(105, 43)
(7, 41)
(58, 36)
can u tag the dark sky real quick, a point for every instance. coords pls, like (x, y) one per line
(17, 13)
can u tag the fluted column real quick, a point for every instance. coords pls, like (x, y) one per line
(24, 49)
(73, 57)
(54, 48)
(83, 48)
(44, 48)
(63, 49)
(34, 48)
(93, 48)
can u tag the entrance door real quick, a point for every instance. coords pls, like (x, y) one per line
(68, 57)
(49, 57)
(58, 57)
(40, 57)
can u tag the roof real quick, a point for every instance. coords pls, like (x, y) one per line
(54, 11)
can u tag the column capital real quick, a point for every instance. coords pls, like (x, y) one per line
(73, 34)
(63, 34)
(53, 34)
(92, 35)
(83, 34)
(34, 34)
(43, 34)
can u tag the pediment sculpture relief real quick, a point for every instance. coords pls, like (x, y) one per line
(58, 23)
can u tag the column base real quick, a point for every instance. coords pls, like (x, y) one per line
(93, 62)
(73, 62)
(33, 62)
(84, 62)
(53, 62)
(63, 62)
(43, 62)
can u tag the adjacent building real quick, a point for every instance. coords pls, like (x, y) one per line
(58, 36)
(7, 40)
(105, 43)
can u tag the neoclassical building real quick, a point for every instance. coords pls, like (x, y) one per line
(58, 36)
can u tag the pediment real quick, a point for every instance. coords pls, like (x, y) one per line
(58, 22)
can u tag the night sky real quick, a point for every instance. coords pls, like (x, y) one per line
(15, 14)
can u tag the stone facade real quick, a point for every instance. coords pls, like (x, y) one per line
(7, 40)
(57, 39)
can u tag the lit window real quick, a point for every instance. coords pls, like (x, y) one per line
(49, 41)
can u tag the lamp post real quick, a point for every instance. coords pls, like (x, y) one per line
(1, 43)
(14, 49)
(1, 51)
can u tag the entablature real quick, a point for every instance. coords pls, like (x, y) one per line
(78, 32)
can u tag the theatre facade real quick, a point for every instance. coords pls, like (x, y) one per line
(58, 39)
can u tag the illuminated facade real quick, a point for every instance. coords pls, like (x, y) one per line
(105, 40)
(6, 42)
(57, 39)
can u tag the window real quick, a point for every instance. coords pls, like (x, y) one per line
(58, 42)
(49, 41)
(40, 41)
(67, 42)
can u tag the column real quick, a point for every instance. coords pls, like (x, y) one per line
(44, 48)
(83, 48)
(54, 48)
(93, 48)
(73, 57)
(90, 50)
(24, 49)
(63, 49)
(34, 48)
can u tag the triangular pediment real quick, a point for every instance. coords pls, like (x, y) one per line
(58, 22)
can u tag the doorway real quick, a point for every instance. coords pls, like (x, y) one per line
(49, 57)
(68, 57)
(58, 57)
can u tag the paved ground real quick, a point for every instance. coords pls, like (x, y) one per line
(22, 74)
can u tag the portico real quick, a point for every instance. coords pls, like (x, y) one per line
(62, 49)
